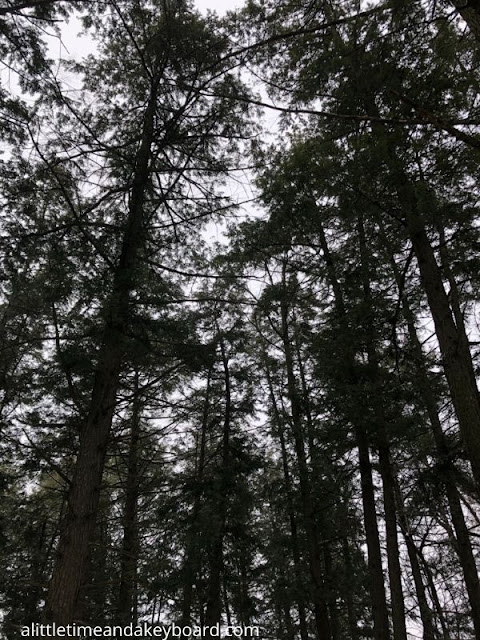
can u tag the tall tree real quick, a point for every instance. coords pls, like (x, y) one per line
(158, 165)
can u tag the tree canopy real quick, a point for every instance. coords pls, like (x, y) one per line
(239, 319)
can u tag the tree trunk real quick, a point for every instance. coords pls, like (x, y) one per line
(126, 604)
(192, 559)
(79, 524)
(434, 596)
(429, 632)
(315, 462)
(394, 570)
(322, 619)
(351, 614)
(386, 471)
(226, 603)
(470, 12)
(457, 360)
(464, 547)
(244, 610)
(331, 595)
(381, 629)
(213, 611)
(291, 516)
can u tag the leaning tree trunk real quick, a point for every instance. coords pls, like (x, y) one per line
(457, 359)
(438, 608)
(429, 632)
(470, 12)
(79, 524)
(456, 355)
(464, 546)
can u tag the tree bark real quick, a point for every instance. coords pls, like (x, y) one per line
(192, 559)
(426, 616)
(386, 471)
(381, 629)
(322, 619)
(434, 595)
(378, 598)
(351, 614)
(394, 569)
(457, 360)
(470, 12)
(79, 524)
(291, 516)
(126, 604)
(213, 612)
(464, 547)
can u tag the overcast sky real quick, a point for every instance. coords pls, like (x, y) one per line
(76, 46)
(220, 6)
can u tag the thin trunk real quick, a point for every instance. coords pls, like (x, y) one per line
(434, 595)
(315, 462)
(289, 627)
(322, 620)
(429, 632)
(385, 465)
(126, 604)
(312, 449)
(394, 570)
(226, 602)
(34, 596)
(291, 516)
(192, 554)
(79, 524)
(286, 628)
(213, 611)
(351, 614)
(154, 606)
(332, 600)
(381, 629)
(378, 598)
(244, 613)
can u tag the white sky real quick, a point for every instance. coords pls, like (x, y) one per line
(76, 46)
(219, 6)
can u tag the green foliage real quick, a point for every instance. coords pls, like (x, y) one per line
(249, 372)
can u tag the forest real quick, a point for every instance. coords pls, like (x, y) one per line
(239, 321)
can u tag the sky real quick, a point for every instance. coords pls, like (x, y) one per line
(76, 46)
(219, 6)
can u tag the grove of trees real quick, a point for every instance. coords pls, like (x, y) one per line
(220, 408)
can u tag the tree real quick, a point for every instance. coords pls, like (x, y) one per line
(147, 169)
(276, 428)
